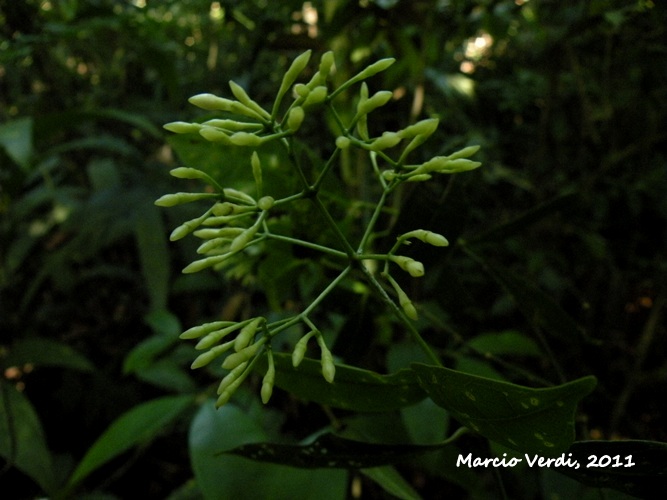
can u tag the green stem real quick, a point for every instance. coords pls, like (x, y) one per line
(307, 244)
(334, 283)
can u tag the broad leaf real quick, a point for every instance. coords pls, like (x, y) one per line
(16, 139)
(392, 482)
(22, 442)
(353, 388)
(226, 476)
(528, 420)
(136, 426)
(646, 476)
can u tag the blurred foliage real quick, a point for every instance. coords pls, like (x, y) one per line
(558, 272)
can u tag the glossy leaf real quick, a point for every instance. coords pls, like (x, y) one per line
(16, 139)
(646, 476)
(528, 420)
(22, 442)
(353, 388)
(136, 426)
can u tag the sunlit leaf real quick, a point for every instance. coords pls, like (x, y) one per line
(528, 420)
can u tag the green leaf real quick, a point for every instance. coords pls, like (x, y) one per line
(22, 442)
(137, 426)
(45, 352)
(16, 138)
(643, 479)
(228, 476)
(503, 343)
(353, 388)
(392, 482)
(333, 452)
(528, 420)
(154, 255)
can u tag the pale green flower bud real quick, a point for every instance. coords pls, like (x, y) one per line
(328, 366)
(211, 102)
(429, 237)
(171, 200)
(371, 70)
(233, 125)
(378, 99)
(422, 128)
(342, 142)
(290, 77)
(389, 175)
(187, 227)
(231, 377)
(418, 178)
(415, 268)
(459, 165)
(386, 140)
(223, 232)
(240, 93)
(212, 338)
(246, 334)
(301, 90)
(295, 118)
(235, 359)
(244, 238)
(316, 96)
(265, 203)
(268, 380)
(201, 264)
(236, 195)
(182, 127)
(326, 64)
(464, 153)
(406, 304)
(256, 171)
(245, 139)
(214, 244)
(205, 358)
(222, 209)
(300, 349)
(199, 331)
(213, 134)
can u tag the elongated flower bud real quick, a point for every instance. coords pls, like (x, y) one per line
(214, 244)
(182, 127)
(386, 140)
(415, 268)
(243, 239)
(171, 200)
(189, 173)
(326, 360)
(418, 178)
(235, 359)
(371, 70)
(300, 349)
(256, 172)
(245, 139)
(240, 93)
(378, 99)
(295, 118)
(187, 227)
(246, 334)
(208, 356)
(316, 96)
(435, 239)
(403, 299)
(213, 337)
(199, 331)
(213, 134)
(223, 232)
(268, 380)
(464, 153)
(211, 102)
(290, 76)
(424, 128)
(231, 377)
(233, 125)
(201, 264)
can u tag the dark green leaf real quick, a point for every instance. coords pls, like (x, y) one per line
(226, 476)
(329, 451)
(153, 252)
(16, 138)
(353, 389)
(528, 420)
(136, 426)
(22, 442)
(392, 482)
(45, 352)
(646, 477)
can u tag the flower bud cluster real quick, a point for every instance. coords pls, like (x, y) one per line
(244, 351)
(326, 358)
